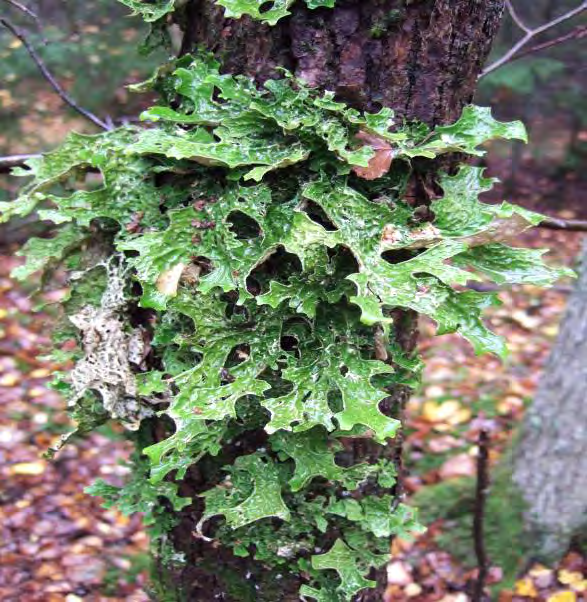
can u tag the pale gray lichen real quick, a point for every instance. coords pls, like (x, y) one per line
(109, 351)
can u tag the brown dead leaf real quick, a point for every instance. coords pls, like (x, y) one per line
(461, 465)
(500, 230)
(398, 574)
(575, 579)
(28, 468)
(440, 445)
(84, 568)
(400, 546)
(450, 412)
(392, 593)
(380, 163)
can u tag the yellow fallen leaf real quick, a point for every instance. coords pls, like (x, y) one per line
(8, 380)
(563, 596)
(40, 373)
(569, 577)
(412, 590)
(510, 403)
(525, 587)
(28, 468)
(538, 570)
(551, 331)
(450, 412)
(525, 320)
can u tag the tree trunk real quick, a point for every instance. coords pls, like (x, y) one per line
(422, 59)
(550, 462)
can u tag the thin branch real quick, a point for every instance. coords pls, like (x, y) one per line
(25, 10)
(49, 77)
(7, 163)
(516, 18)
(486, 287)
(479, 517)
(529, 34)
(578, 33)
(571, 225)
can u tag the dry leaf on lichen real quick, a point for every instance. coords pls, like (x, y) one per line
(380, 163)
(169, 279)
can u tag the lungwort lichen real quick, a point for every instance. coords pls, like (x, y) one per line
(249, 241)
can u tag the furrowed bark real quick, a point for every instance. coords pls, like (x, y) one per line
(420, 58)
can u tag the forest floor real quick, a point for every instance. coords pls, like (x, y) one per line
(58, 544)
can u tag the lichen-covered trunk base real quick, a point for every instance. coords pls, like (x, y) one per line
(421, 59)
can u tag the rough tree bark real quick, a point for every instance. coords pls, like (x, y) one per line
(422, 59)
(550, 461)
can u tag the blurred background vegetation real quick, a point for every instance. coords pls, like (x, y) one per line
(94, 49)
(545, 89)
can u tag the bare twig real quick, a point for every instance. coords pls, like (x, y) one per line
(571, 225)
(49, 77)
(7, 163)
(515, 17)
(529, 34)
(575, 34)
(479, 517)
(486, 287)
(25, 10)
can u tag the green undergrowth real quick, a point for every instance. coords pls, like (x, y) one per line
(137, 564)
(453, 502)
(235, 275)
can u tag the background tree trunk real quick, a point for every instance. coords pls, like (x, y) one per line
(422, 59)
(550, 461)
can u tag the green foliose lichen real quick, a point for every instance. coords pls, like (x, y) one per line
(258, 259)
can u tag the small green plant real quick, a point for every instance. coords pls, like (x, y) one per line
(137, 564)
(236, 273)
